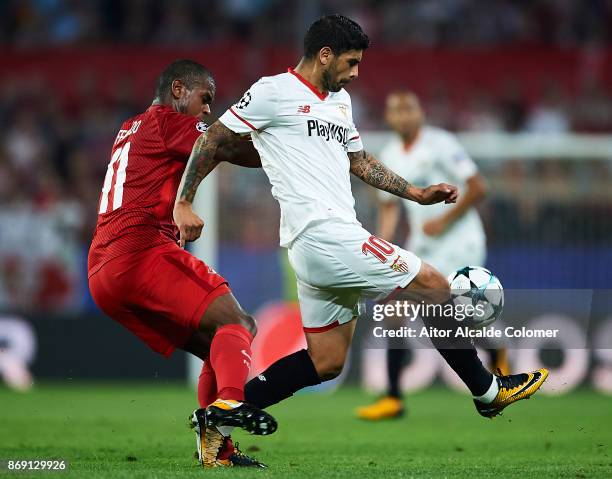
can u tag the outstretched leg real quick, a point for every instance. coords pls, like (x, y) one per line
(491, 393)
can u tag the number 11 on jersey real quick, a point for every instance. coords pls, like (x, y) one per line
(120, 155)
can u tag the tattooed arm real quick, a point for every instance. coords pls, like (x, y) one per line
(367, 168)
(202, 161)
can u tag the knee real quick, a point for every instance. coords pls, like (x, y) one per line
(240, 318)
(434, 285)
(249, 323)
(433, 279)
(223, 311)
(329, 366)
(330, 371)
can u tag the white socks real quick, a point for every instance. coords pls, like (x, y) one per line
(491, 393)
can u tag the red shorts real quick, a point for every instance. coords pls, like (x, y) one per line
(160, 294)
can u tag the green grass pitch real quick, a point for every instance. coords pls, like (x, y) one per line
(130, 431)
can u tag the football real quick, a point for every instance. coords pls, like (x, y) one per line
(478, 287)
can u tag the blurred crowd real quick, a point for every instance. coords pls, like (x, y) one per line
(54, 151)
(426, 22)
(53, 157)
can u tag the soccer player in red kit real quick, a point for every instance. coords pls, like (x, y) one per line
(141, 277)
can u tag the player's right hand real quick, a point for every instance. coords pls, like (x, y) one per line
(437, 194)
(189, 224)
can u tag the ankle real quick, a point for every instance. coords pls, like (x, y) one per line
(231, 394)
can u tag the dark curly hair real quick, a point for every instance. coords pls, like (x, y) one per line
(337, 32)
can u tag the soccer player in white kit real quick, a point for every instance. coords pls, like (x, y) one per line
(448, 238)
(301, 124)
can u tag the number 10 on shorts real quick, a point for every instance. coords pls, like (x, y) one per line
(378, 247)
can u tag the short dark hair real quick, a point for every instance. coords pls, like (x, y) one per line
(188, 71)
(337, 32)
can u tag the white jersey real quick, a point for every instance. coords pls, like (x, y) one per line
(302, 137)
(435, 157)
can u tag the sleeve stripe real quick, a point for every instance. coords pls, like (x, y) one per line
(354, 138)
(243, 120)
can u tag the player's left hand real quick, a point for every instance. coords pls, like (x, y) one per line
(434, 227)
(189, 224)
(437, 194)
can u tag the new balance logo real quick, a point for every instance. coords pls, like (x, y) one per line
(304, 109)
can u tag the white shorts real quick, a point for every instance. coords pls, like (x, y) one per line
(338, 264)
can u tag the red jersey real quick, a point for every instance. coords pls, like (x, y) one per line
(147, 161)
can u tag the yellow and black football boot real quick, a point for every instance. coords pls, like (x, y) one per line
(512, 388)
(216, 450)
(209, 441)
(238, 458)
(386, 407)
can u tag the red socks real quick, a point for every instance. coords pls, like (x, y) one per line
(207, 385)
(230, 358)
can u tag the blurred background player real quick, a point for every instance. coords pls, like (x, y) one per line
(446, 237)
(142, 278)
(17, 351)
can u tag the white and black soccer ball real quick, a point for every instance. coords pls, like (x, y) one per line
(478, 287)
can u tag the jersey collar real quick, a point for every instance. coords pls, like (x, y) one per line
(314, 89)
